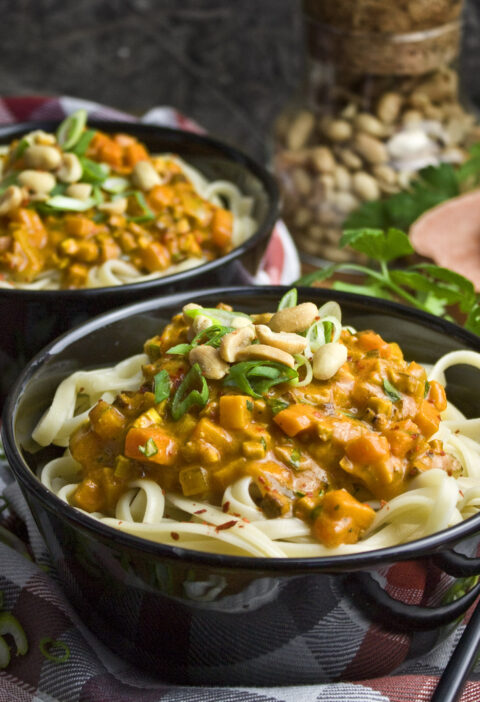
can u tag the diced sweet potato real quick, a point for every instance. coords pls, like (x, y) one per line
(234, 411)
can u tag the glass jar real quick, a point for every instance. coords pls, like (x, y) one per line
(380, 102)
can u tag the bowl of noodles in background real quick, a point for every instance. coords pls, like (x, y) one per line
(97, 215)
(277, 607)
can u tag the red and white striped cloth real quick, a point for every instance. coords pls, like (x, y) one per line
(91, 673)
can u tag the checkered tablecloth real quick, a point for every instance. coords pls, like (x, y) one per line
(64, 662)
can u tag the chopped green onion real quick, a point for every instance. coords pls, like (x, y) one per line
(317, 333)
(9, 624)
(147, 213)
(295, 458)
(83, 143)
(9, 180)
(55, 651)
(255, 378)
(115, 184)
(212, 334)
(150, 448)
(93, 172)
(70, 204)
(162, 386)
(427, 389)
(288, 300)
(217, 316)
(70, 130)
(180, 349)
(391, 391)
(187, 393)
(302, 361)
(22, 146)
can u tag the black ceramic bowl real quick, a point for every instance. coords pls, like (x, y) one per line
(31, 319)
(200, 618)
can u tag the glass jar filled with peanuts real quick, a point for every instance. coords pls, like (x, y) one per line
(380, 102)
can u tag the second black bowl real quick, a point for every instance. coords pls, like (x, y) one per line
(32, 318)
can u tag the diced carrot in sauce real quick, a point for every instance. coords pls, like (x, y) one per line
(427, 418)
(367, 448)
(106, 421)
(342, 519)
(155, 257)
(294, 419)
(133, 153)
(436, 395)
(151, 444)
(370, 341)
(222, 228)
(234, 411)
(78, 225)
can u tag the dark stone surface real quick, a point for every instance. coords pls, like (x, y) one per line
(229, 64)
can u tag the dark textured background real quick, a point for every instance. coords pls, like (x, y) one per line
(230, 64)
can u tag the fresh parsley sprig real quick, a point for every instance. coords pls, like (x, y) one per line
(425, 286)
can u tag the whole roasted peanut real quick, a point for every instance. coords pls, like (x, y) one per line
(385, 174)
(322, 159)
(46, 158)
(301, 181)
(370, 148)
(337, 129)
(411, 116)
(261, 317)
(117, 206)
(38, 136)
(11, 199)
(240, 322)
(300, 130)
(186, 308)
(350, 159)
(343, 179)
(144, 176)
(365, 186)
(235, 341)
(80, 191)
(328, 359)
(286, 341)
(294, 319)
(209, 361)
(419, 100)
(70, 170)
(365, 122)
(302, 217)
(344, 202)
(265, 353)
(388, 107)
(199, 324)
(37, 181)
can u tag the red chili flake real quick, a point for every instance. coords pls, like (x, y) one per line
(244, 519)
(383, 503)
(442, 453)
(174, 535)
(226, 506)
(460, 492)
(200, 511)
(226, 525)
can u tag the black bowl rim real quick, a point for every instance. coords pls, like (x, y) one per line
(412, 550)
(139, 128)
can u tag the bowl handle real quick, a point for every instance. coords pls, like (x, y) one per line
(457, 564)
(377, 604)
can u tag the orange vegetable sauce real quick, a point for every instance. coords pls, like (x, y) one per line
(333, 446)
(170, 225)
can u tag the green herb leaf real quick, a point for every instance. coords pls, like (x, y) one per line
(288, 300)
(147, 213)
(427, 389)
(150, 448)
(70, 130)
(318, 276)
(9, 180)
(372, 290)
(255, 378)
(193, 390)
(22, 146)
(211, 336)
(391, 391)
(276, 404)
(382, 246)
(162, 386)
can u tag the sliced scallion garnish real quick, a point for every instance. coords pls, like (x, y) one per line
(193, 390)
(162, 386)
(115, 184)
(93, 172)
(217, 316)
(288, 300)
(70, 204)
(70, 130)
(391, 391)
(83, 143)
(255, 378)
